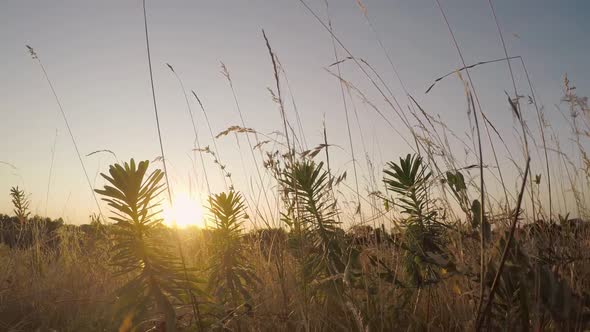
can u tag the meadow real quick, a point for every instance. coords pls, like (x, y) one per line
(440, 239)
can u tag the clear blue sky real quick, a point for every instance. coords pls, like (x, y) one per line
(94, 52)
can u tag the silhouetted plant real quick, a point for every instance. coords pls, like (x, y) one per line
(231, 278)
(141, 250)
(21, 204)
(314, 217)
(423, 233)
(316, 239)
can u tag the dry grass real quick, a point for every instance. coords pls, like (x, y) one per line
(432, 250)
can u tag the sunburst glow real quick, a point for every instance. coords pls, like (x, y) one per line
(185, 212)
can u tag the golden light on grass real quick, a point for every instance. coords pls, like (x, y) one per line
(185, 212)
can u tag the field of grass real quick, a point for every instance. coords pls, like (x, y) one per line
(421, 245)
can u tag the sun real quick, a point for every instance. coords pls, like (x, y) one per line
(185, 212)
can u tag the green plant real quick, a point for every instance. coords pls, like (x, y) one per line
(231, 276)
(424, 234)
(141, 251)
(313, 218)
(21, 204)
(316, 239)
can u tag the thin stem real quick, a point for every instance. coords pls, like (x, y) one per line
(486, 309)
(196, 142)
(63, 114)
(345, 105)
(517, 101)
(278, 87)
(216, 151)
(50, 172)
(364, 71)
(482, 191)
(541, 128)
(149, 57)
(264, 217)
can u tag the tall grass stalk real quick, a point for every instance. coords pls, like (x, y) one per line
(261, 188)
(362, 69)
(542, 130)
(279, 93)
(216, 149)
(517, 102)
(487, 123)
(194, 303)
(399, 111)
(196, 143)
(149, 58)
(481, 175)
(35, 56)
(295, 108)
(345, 108)
(50, 172)
(374, 107)
(365, 12)
(486, 308)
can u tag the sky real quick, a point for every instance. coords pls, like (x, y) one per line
(95, 55)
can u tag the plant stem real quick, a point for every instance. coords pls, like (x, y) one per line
(486, 309)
